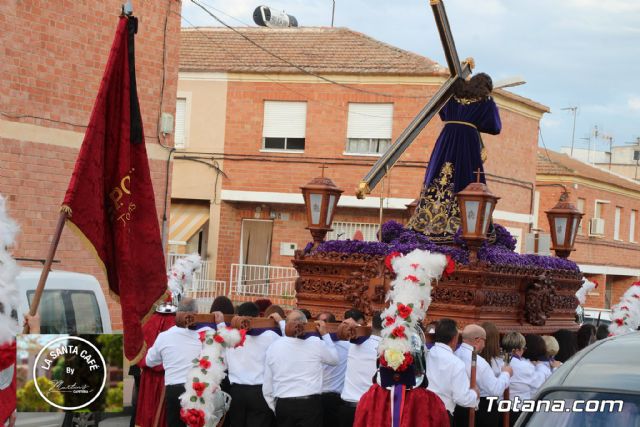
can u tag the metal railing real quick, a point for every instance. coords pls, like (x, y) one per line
(263, 280)
(346, 230)
(202, 274)
(205, 291)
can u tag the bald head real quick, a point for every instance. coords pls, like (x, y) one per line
(475, 336)
(187, 304)
(296, 316)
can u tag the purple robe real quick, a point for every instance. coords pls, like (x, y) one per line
(455, 158)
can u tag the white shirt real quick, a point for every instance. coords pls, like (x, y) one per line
(293, 367)
(175, 349)
(361, 367)
(448, 378)
(497, 363)
(488, 383)
(333, 375)
(527, 378)
(246, 363)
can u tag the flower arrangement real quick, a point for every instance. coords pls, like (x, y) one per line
(587, 286)
(8, 290)
(626, 314)
(409, 298)
(181, 275)
(396, 238)
(198, 401)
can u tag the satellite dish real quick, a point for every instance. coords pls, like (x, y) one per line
(265, 17)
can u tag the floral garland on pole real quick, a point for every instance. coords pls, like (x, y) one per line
(409, 299)
(203, 382)
(587, 286)
(626, 314)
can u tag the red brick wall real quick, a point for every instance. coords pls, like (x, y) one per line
(597, 250)
(510, 154)
(54, 57)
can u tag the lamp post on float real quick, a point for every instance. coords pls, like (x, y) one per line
(564, 220)
(321, 197)
(476, 204)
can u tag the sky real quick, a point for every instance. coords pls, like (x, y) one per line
(581, 53)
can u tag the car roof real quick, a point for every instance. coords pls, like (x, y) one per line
(611, 364)
(29, 276)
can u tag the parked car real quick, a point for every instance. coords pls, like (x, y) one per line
(72, 303)
(604, 372)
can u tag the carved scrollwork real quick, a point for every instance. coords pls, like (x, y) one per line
(539, 300)
(445, 294)
(501, 299)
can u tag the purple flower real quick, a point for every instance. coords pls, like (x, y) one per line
(391, 230)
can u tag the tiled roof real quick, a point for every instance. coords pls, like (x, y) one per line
(562, 164)
(317, 49)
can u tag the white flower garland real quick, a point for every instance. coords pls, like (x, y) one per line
(181, 275)
(203, 382)
(587, 286)
(8, 273)
(410, 297)
(625, 316)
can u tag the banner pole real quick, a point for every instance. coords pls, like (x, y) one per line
(33, 309)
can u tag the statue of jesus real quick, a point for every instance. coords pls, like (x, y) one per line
(456, 157)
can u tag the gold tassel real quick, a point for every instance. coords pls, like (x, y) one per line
(66, 209)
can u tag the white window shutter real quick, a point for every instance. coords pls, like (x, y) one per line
(370, 121)
(179, 135)
(284, 119)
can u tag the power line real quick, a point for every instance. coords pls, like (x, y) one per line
(296, 66)
(284, 86)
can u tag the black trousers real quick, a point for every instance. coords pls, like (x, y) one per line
(172, 399)
(331, 403)
(484, 418)
(248, 407)
(297, 412)
(347, 413)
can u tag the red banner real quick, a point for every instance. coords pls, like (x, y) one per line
(110, 197)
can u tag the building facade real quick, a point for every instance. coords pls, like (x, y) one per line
(607, 242)
(54, 58)
(258, 128)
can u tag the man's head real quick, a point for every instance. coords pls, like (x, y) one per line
(325, 316)
(354, 314)
(249, 309)
(187, 304)
(223, 305)
(294, 326)
(376, 323)
(273, 308)
(306, 313)
(475, 336)
(447, 332)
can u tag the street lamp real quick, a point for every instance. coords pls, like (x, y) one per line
(321, 197)
(564, 220)
(476, 204)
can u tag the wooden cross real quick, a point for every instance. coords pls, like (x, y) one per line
(477, 173)
(459, 71)
(323, 167)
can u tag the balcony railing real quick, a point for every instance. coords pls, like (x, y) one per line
(202, 274)
(263, 281)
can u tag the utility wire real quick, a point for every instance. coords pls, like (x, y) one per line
(296, 66)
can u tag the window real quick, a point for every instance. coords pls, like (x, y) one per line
(179, 140)
(580, 207)
(284, 125)
(369, 128)
(616, 223)
(632, 226)
(68, 312)
(599, 209)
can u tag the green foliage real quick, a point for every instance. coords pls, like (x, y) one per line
(58, 369)
(114, 398)
(30, 401)
(111, 348)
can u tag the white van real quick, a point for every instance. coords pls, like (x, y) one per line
(72, 303)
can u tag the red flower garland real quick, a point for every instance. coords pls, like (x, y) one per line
(412, 278)
(408, 360)
(398, 332)
(198, 388)
(193, 417)
(404, 311)
(218, 338)
(388, 321)
(202, 335)
(389, 258)
(450, 268)
(204, 363)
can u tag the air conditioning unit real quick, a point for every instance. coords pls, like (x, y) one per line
(596, 227)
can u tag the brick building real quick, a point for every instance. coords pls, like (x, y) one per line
(54, 55)
(607, 248)
(253, 129)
